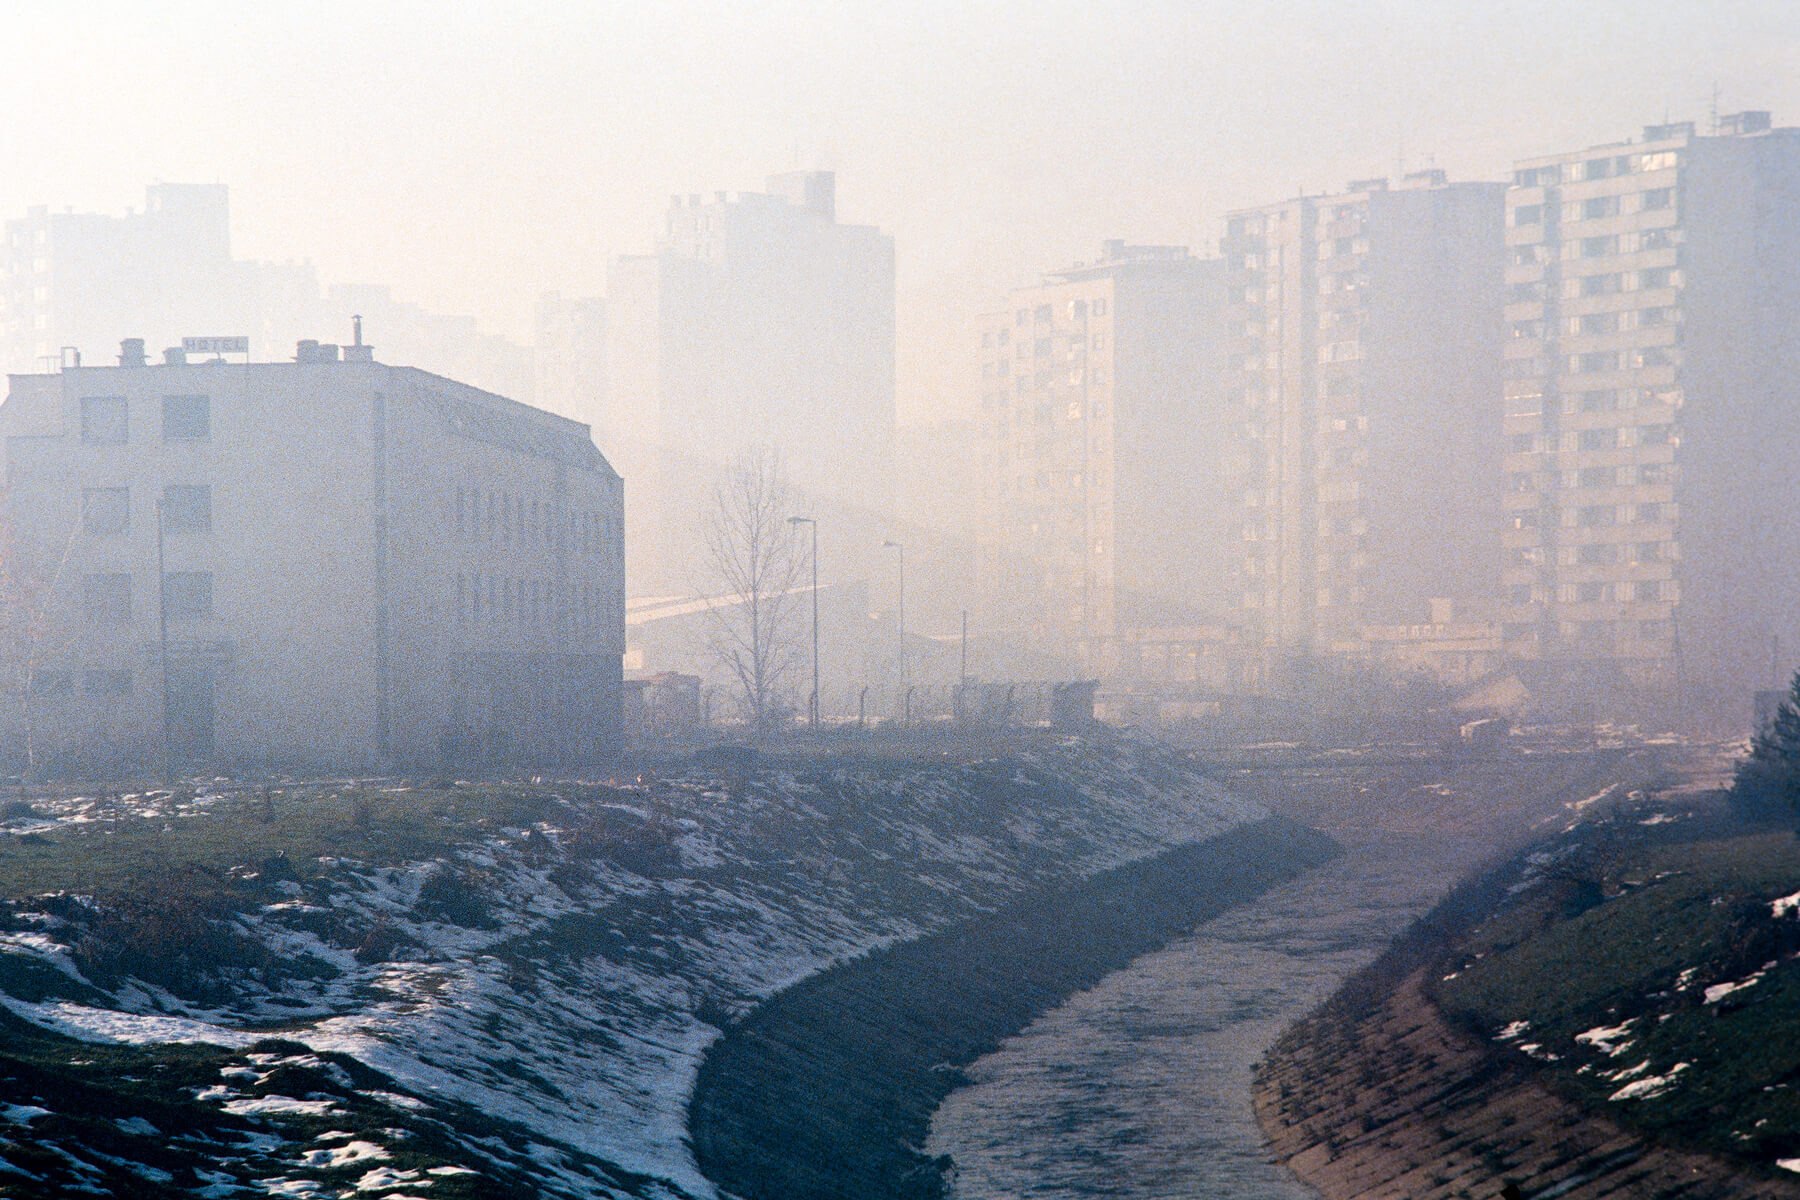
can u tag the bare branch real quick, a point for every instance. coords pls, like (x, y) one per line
(754, 556)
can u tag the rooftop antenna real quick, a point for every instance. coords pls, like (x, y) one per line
(1715, 108)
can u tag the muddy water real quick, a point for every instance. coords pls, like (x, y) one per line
(1141, 1086)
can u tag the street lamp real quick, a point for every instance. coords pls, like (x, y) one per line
(812, 707)
(893, 545)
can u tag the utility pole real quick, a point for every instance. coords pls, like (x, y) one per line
(162, 637)
(812, 707)
(893, 545)
(962, 671)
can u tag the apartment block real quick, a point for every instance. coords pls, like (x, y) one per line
(1099, 411)
(760, 319)
(1363, 364)
(1653, 304)
(330, 562)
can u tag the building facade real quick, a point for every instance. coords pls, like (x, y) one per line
(1100, 418)
(1362, 462)
(759, 320)
(331, 561)
(1653, 295)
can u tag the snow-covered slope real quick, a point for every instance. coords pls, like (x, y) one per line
(563, 980)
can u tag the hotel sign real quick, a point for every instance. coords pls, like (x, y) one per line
(215, 345)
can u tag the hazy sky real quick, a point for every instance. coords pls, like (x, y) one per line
(474, 155)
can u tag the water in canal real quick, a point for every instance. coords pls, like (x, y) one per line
(1141, 1086)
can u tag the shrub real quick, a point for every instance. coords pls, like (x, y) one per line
(1767, 784)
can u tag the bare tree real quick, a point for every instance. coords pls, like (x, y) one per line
(755, 556)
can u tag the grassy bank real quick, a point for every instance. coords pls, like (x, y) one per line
(1648, 969)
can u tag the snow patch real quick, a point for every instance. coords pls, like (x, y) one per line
(1649, 1087)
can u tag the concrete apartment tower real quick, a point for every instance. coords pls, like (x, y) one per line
(1363, 465)
(760, 320)
(1099, 407)
(329, 562)
(1652, 539)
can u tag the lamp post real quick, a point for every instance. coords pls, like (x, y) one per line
(162, 647)
(812, 706)
(893, 545)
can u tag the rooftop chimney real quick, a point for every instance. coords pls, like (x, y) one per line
(174, 356)
(311, 350)
(357, 352)
(131, 353)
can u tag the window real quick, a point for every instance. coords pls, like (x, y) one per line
(1657, 198)
(1647, 589)
(188, 595)
(1041, 348)
(105, 511)
(1595, 477)
(1041, 314)
(1599, 285)
(1599, 439)
(1649, 514)
(186, 418)
(1100, 307)
(1657, 239)
(187, 508)
(104, 420)
(1594, 555)
(106, 682)
(107, 599)
(1528, 214)
(1600, 401)
(1596, 168)
(1599, 247)
(1597, 207)
(1593, 362)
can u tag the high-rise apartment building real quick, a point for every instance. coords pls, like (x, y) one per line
(1363, 364)
(1653, 400)
(760, 320)
(1099, 404)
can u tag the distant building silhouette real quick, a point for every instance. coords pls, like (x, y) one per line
(760, 319)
